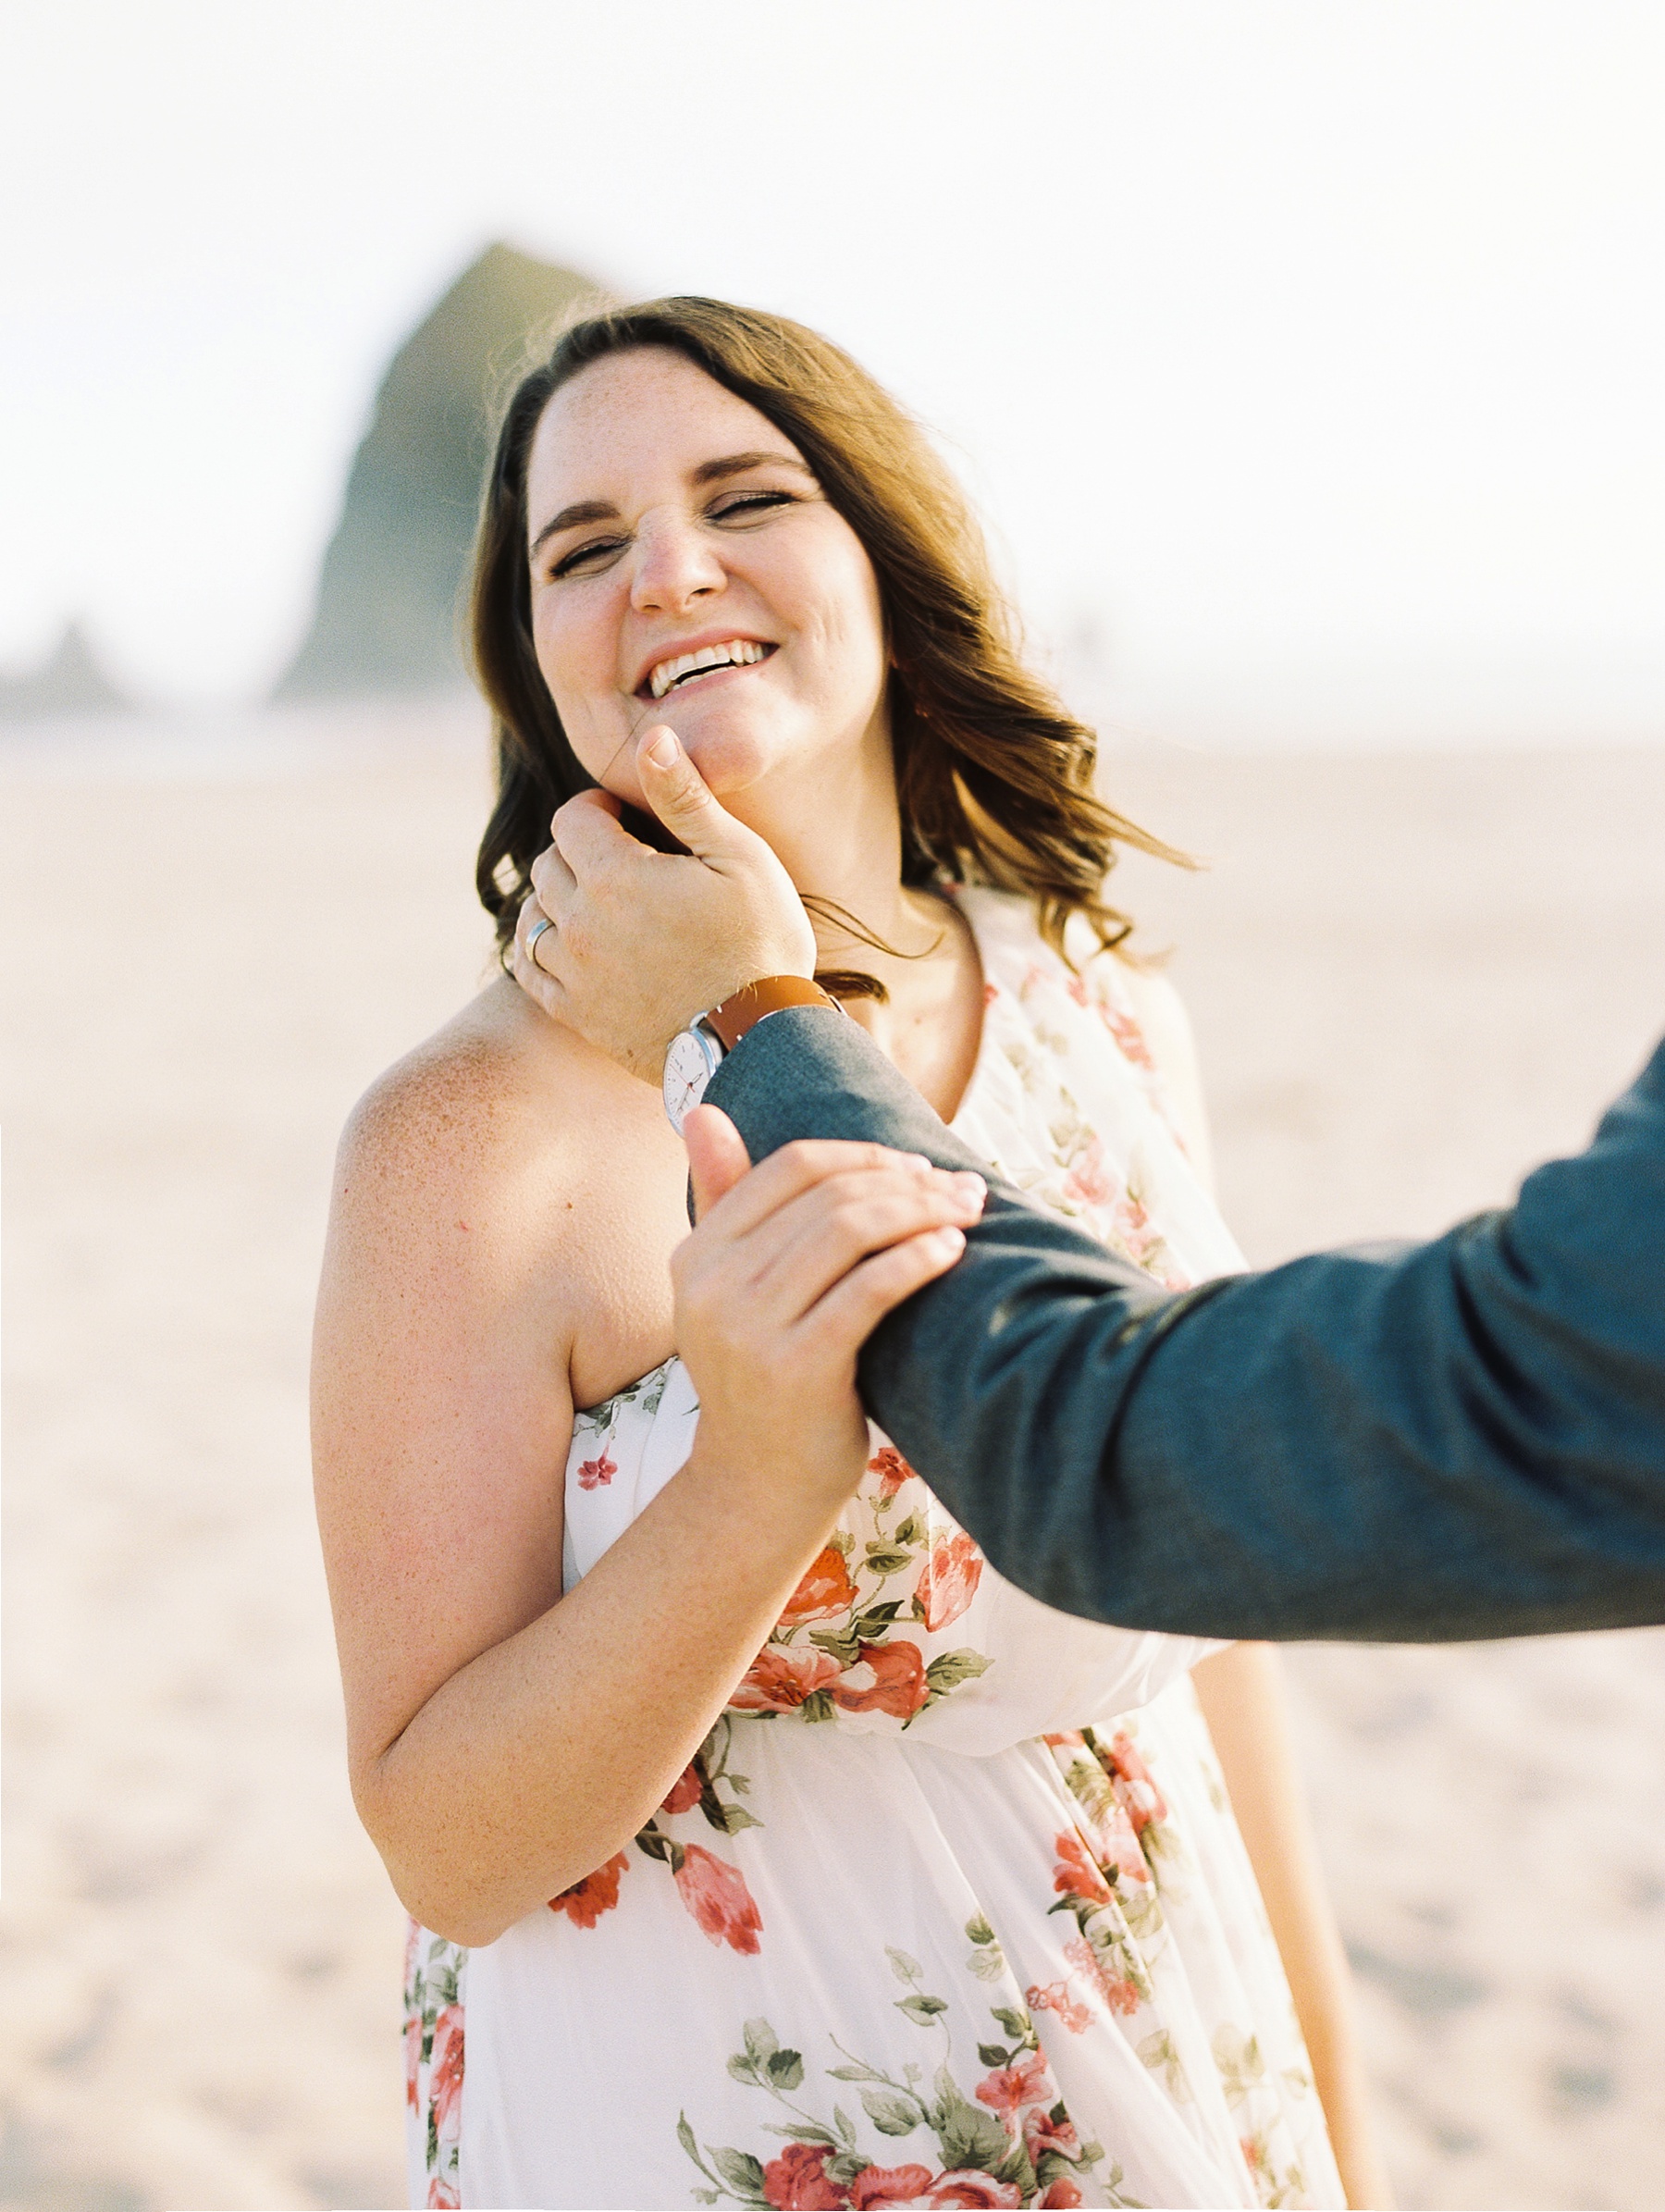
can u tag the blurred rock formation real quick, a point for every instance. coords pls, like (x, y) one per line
(388, 610)
(70, 681)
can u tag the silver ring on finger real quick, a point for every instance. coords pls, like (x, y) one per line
(533, 935)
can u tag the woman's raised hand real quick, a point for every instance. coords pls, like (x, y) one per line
(793, 1265)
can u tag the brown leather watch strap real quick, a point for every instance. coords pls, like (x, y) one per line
(770, 995)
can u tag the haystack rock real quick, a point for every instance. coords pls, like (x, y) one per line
(389, 593)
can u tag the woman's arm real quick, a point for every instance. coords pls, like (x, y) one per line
(503, 1741)
(1242, 1698)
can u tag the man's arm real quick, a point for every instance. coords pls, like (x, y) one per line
(1461, 1439)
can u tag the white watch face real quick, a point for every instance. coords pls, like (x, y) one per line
(689, 1066)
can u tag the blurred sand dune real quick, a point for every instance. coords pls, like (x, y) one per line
(1411, 978)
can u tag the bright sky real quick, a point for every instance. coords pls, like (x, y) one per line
(1306, 357)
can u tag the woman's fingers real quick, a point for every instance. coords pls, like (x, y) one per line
(821, 1236)
(795, 1169)
(842, 1322)
(717, 1156)
(766, 1280)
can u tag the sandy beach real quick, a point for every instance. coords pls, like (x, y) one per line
(1413, 976)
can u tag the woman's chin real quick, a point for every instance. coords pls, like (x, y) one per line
(730, 760)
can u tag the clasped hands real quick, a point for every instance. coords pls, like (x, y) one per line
(796, 1262)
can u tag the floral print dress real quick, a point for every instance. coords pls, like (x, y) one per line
(950, 1909)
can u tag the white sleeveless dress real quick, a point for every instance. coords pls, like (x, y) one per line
(951, 1908)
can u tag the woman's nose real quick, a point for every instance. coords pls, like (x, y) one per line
(675, 565)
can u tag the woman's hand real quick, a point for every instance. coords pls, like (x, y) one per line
(793, 1265)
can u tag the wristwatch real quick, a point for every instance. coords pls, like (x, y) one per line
(698, 1051)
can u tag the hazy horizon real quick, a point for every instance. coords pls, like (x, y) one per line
(1304, 362)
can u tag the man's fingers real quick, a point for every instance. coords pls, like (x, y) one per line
(717, 1156)
(587, 835)
(681, 797)
(552, 880)
(544, 988)
(609, 802)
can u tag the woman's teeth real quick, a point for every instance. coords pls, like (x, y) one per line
(739, 652)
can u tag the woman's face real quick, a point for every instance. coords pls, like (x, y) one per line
(685, 568)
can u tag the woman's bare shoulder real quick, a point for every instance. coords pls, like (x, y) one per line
(471, 1147)
(503, 1167)
(498, 1076)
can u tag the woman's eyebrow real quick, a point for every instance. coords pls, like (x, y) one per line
(709, 472)
(583, 510)
(734, 464)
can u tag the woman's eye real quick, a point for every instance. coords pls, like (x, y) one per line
(747, 503)
(584, 556)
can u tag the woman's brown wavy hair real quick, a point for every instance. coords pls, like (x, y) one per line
(994, 776)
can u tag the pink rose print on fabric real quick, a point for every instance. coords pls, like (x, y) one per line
(1092, 1180)
(686, 1791)
(1062, 2193)
(878, 2187)
(824, 1593)
(886, 1678)
(1042, 2132)
(1129, 1037)
(798, 2177)
(1009, 2088)
(891, 1469)
(596, 1474)
(442, 2195)
(586, 1902)
(716, 1895)
(1134, 1784)
(782, 1676)
(1075, 1874)
(412, 2058)
(1119, 1841)
(950, 1580)
(1053, 1997)
(970, 2188)
(1121, 1996)
(445, 2079)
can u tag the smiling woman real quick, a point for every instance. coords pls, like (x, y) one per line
(996, 777)
(732, 1793)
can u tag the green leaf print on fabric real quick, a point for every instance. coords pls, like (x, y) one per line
(1014, 2132)
(434, 2055)
(601, 1422)
(1157, 2052)
(846, 1642)
(1236, 2057)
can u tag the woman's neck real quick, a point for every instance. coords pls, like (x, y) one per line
(841, 845)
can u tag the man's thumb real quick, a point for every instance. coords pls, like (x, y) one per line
(681, 797)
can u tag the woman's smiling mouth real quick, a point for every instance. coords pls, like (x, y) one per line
(684, 668)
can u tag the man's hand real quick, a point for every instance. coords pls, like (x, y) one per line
(643, 941)
(793, 1265)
